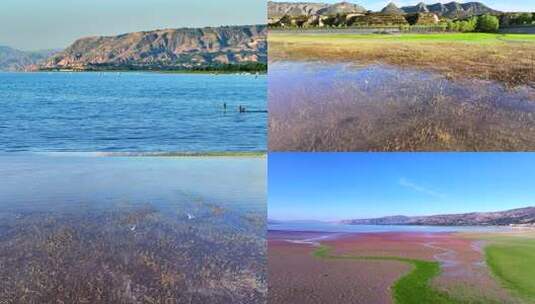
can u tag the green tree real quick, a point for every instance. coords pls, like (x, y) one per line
(524, 18)
(468, 25)
(452, 26)
(487, 24)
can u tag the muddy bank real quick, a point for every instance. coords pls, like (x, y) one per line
(295, 276)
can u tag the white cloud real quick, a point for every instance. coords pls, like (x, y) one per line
(419, 188)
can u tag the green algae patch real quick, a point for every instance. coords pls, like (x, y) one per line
(237, 154)
(414, 287)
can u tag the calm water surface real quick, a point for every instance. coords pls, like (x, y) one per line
(131, 112)
(65, 180)
(333, 227)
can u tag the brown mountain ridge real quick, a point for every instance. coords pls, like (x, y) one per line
(167, 49)
(520, 216)
(450, 10)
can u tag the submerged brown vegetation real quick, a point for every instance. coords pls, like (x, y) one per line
(384, 109)
(129, 256)
(414, 92)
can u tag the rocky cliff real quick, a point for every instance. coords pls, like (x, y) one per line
(451, 10)
(167, 49)
(391, 8)
(341, 8)
(300, 9)
(294, 9)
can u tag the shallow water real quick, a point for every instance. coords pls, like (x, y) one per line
(57, 180)
(131, 112)
(113, 229)
(342, 228)
(318, 106)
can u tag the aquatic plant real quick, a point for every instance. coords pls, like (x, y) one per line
(131, 254)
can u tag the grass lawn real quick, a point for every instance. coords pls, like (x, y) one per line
(507, 58)
(512, 261)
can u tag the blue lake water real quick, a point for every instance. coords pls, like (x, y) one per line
(342, 228)
(131, 112)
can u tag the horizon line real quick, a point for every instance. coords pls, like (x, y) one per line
(393, 215)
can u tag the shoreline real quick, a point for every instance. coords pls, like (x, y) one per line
(229, 154)
(251, 73)
(401, 229)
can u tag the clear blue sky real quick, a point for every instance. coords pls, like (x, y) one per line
(43, 24)
(334, 186)
(375, 5)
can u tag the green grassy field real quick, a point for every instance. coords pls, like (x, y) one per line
(444, 37)
(512, 261)
(414, 287)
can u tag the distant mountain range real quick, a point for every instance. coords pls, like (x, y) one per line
(391, 8)
(16, 60)
(522, 216)
(169, 49)
(341, 8)
(449, 10)
(452, 9)
(294, 9)
(185, 48)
